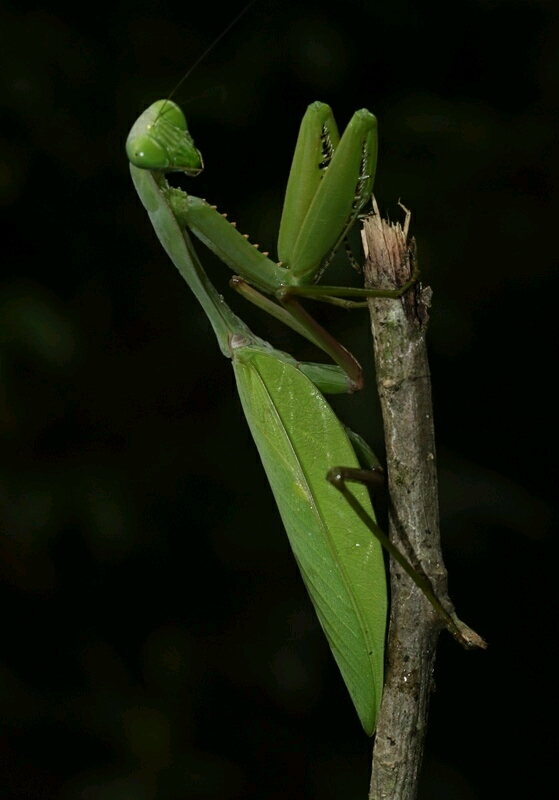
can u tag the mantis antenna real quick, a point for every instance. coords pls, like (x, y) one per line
(208, 49)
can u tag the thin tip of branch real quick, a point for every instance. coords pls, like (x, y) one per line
(467, 637)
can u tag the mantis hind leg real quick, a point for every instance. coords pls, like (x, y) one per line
(292, 314)
(339, 477)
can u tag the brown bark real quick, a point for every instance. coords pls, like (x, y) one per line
(399, 328)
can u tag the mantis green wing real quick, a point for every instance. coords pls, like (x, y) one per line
(299, 438)
(297, 434)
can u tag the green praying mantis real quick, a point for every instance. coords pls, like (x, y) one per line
(297, 434)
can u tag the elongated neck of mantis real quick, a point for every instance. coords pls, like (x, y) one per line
(155, 195)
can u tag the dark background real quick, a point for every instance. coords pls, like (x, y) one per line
(156, 639)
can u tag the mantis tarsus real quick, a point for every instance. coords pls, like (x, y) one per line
(297, 434)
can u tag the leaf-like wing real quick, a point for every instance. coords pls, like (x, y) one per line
(299, 438)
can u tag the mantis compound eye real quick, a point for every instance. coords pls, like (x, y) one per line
(146, 153)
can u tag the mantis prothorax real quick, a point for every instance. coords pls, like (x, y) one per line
(298, 436)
